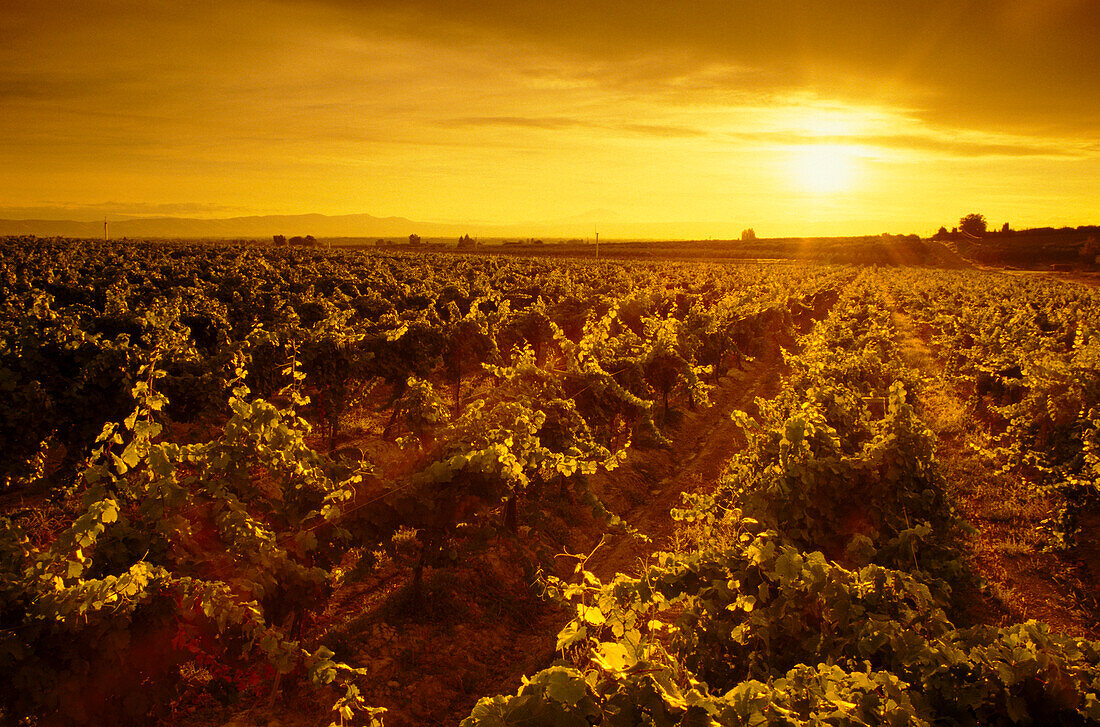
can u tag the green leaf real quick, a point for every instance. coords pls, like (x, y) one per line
(591, 615)
(788, 565)
(565, 685)
(131, 456)
(109, 513)
(147, 429)
(614, 656)
(573, 633)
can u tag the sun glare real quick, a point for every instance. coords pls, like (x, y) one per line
(824, 168)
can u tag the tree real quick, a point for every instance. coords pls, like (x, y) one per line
(941, 234)
(973, 224)
(414, 239)
(1090, 248)
(749, 234)
(1005, 229)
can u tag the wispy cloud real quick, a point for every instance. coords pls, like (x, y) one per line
(518, 121)
(562, 123)
(942, 143)
(1015, 63)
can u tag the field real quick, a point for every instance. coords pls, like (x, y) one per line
(880, 249)
(245, 485)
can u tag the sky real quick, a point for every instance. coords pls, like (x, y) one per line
(793, 117)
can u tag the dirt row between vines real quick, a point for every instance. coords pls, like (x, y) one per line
(1019, 579)
(703, 444)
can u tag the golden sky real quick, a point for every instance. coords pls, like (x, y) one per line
(791, 117)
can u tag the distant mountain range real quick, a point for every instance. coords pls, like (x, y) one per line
(234, 227)
(362, 225)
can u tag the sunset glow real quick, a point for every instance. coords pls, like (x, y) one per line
(824, 169)
(669, 121)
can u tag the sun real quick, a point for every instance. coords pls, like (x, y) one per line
(824, 169)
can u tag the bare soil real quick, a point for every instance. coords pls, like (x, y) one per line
(703, 444)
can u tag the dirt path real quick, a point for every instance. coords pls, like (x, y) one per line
(703, 442)
(1020, 580)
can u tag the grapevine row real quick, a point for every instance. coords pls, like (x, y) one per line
(818, 586)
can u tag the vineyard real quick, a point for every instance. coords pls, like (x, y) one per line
(245, 485)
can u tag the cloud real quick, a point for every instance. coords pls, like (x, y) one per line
(562, 123)
(664, 131)
(997, 64)
(528, 123)
(960, 146)
(943, 143)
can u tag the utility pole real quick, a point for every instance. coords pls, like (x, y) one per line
(105, 229)
(594, 229)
